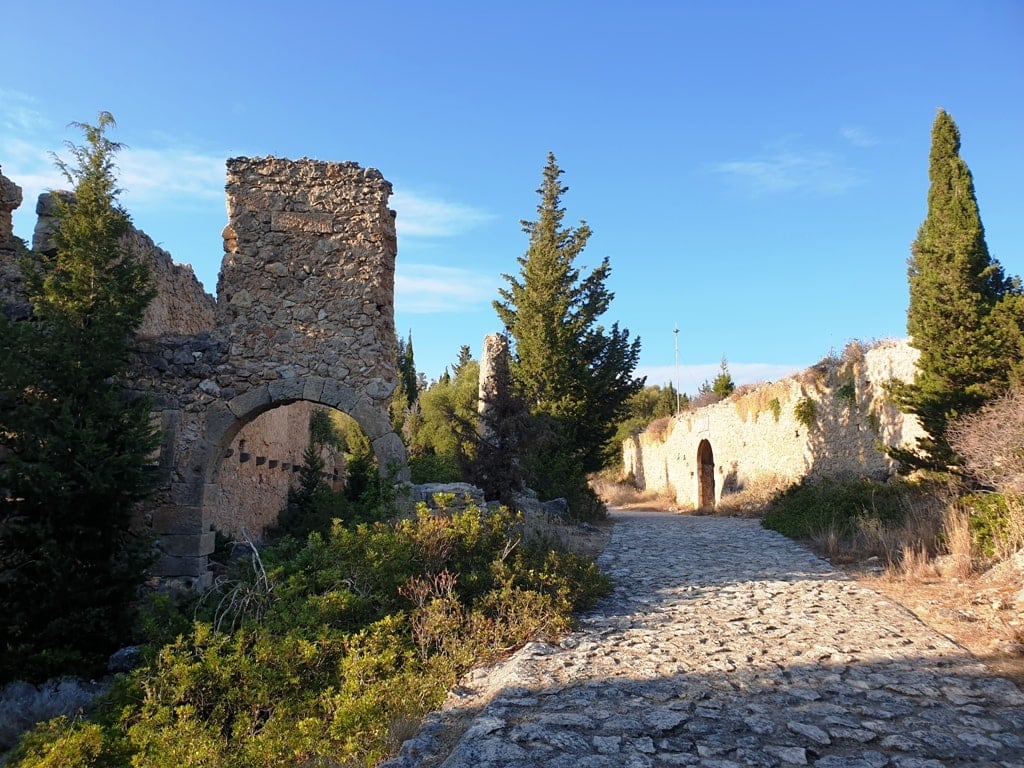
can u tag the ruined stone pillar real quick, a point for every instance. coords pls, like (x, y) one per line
(10, 276)
(494, 374)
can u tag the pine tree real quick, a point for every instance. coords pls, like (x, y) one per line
(567, 368)
(465, 357)
(963, 313)
(723, 385)
(76, 455)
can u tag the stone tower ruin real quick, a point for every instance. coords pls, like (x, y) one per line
(304, 317)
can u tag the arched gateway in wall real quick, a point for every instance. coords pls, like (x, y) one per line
(705, 476)
(305, 312)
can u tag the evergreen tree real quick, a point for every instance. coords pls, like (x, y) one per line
(465, 357)
(76, 455)
(568, 369)
(963, 315)
(723, 385)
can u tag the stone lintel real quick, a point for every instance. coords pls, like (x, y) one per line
(313, 389)
(338, 395)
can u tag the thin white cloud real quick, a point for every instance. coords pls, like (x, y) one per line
(809, 171)
(18, 113)
(151, 175)
(422, 216)
(431, 289)
(690, 377)
(858, 136)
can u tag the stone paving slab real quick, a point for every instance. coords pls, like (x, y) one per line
(724, 645)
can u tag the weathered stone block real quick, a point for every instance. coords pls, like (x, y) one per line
(187, 545)
(313, 389)
(180, 520)
(169, 566)
(286, 389)
(256, 398)
(339, 396)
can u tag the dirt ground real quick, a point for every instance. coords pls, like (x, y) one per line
(984, 614)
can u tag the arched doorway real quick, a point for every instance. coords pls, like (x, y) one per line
(705, 476)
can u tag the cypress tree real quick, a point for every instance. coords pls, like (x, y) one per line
(961, 312)
(76, 454)
(568, 369)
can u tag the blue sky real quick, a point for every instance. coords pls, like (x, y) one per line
(755, 171)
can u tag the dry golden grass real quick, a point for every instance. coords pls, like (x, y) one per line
(622, 493)
(933, 570)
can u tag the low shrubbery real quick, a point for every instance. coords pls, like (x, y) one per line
(324, 645)
(905, 523)
(805, 510)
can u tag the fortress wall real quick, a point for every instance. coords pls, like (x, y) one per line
(757, 439)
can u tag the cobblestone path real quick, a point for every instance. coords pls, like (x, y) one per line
(727, 645)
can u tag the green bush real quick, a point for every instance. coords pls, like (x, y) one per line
(805, 411)
(996, 523)
(430, 467)
(804, 510)
(358, 629)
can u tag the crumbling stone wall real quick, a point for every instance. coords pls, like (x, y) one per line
(260, 466)
(305, 315)
(181, 305)
(755, 438)
(12, 298)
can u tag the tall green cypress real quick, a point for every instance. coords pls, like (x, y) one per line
(75, 454)
(957, 315)
(566, 366)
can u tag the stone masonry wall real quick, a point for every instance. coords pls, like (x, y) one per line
(756, 439)
(260, 466)
(307, 281)
(181, 305)
(12, 299)
(305, 318)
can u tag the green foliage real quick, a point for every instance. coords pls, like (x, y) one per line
(995, 523)
(448, 418)
(965, 316)
(806, 412)
(847, 393)
(649, 404)
(776, 408)
(723, 385)
(77, 456)
(811, 507)
(566, 367)
(431, 468)
(365, 627)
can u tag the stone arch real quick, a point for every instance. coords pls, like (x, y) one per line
(241, 410)
(304, 313)
(705, 476)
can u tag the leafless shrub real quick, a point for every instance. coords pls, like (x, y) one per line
(22, 705)
(659, 429)
(991, 442)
